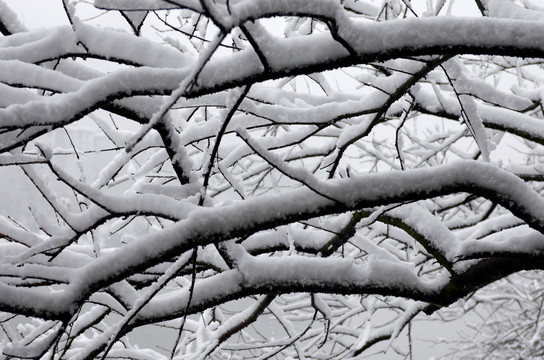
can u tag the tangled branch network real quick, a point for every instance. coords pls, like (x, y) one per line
(262, 179)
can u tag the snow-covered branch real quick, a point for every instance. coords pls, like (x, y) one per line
(313, 165)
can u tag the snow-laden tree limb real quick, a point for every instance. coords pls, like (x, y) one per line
(314, 164)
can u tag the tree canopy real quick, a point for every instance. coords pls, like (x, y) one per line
(264, 178)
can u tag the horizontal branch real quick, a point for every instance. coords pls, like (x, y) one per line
(392, 39)
(242, 218)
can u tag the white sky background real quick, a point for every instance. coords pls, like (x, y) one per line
(38, 13)
(45, 13)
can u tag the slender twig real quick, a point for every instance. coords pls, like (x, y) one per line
(218, 138)
(189, 299)
(171, 273)
(398, 135)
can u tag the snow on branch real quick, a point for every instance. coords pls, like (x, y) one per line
(263, 179)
